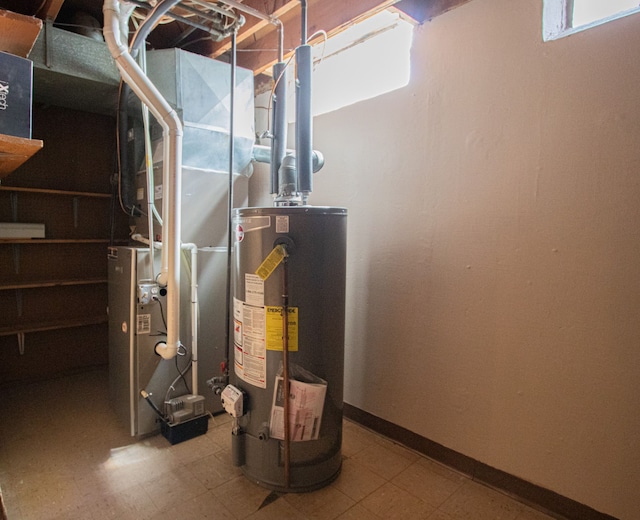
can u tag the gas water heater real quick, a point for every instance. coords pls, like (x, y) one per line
(293, 259)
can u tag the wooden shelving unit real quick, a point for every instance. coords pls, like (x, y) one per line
(18, 34)
(15, 151)
(32, 241)
(53, 325)
(50, 283)
(67, 193)
(26, 319)
(53, 290)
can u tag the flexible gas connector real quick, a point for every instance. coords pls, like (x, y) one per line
(147, 397)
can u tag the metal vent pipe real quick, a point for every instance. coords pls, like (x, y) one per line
(172, 137)
(304, 161)
(279, 130)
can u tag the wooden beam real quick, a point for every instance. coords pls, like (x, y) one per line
(331, 16)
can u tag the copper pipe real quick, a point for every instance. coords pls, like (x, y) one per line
(285, 369)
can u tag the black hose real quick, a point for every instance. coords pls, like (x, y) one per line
(149, 24)
(147, 397)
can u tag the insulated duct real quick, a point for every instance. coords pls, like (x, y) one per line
(304, 64)
(279, 132)
(293, 191)
(114, 20)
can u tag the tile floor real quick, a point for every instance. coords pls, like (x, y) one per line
(63, 456)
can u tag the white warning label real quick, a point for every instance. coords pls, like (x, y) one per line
(144, 324)
(253, 290)
(250, 351)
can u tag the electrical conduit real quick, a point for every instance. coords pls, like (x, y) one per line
(172, 174)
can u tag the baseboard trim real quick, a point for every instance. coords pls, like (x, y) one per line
(521, 489)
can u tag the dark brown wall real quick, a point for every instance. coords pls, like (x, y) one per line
(79, 156)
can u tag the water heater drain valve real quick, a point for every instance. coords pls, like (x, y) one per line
(232, 399)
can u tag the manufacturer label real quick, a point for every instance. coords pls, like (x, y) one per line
(282, 224)
(144, 324)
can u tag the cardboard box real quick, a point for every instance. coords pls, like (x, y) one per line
(16, 93)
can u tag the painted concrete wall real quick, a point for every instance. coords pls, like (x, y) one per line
(494, 248)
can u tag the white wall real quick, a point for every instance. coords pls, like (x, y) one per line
(493, 298)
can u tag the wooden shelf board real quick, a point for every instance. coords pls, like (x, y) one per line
(55, 192)
(32, 241)
(51, 283)
(18, 32)
(14, 151)
(53, 325)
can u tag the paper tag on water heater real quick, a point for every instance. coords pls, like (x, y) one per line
(282, 224)
(272, 261)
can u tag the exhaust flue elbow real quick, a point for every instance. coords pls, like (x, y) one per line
(288, 183)
(166, 351)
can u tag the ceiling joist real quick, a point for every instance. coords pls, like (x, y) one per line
(258, 50)
(257, 40)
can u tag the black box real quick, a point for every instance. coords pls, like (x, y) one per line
(180, 432)
(16, 91)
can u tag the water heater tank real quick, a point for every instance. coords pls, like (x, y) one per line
(315, 241)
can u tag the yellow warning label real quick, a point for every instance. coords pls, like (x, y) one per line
(274, 328)
(272, 261)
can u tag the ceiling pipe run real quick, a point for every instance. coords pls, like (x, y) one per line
(131, 73)
(279, 131)
(274, 20)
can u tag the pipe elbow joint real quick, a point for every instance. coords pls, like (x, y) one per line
(163, 279)
(166, 351)
(317, 160)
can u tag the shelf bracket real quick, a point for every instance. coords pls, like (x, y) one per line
(76, 202)
(19, 302)
(21, 343)
(16, 258)
(13, 196)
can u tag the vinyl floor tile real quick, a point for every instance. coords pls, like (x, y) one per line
(64, 456)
